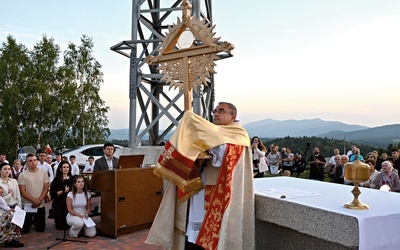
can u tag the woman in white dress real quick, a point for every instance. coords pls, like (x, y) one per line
(78, 205)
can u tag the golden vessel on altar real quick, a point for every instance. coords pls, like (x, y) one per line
(356, 172)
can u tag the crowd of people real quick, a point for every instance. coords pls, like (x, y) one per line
(383, 169)
(275, 161)
(31, 184)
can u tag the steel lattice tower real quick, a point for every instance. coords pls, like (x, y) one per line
(150, 22)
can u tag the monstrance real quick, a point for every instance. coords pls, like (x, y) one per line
(188, 53)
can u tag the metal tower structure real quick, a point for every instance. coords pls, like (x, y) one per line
(150, 22)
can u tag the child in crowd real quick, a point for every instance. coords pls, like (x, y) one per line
(89, 166)
(74, 166)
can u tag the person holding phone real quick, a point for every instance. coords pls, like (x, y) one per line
(258, 150)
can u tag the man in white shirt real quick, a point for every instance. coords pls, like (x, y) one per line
(89, 166)
(350, 152)
(332, 162)
(74, 167)
(3, 158)
(43, 165)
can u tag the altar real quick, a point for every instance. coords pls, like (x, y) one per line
(294, 213)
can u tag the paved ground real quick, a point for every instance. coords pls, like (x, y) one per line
(35, 240)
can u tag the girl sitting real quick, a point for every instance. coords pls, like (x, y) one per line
(78, 205)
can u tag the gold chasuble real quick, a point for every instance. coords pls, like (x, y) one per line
(229, 201)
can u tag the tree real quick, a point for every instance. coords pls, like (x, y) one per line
(84, 72)
(43, 102)
(44, 83)
(14, 86)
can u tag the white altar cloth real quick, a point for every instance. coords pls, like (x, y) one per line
(379, 226)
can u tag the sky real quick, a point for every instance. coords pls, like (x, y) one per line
(293, 59)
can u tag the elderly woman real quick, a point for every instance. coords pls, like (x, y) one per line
(388, 177)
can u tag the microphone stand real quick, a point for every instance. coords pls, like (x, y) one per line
(64, 238)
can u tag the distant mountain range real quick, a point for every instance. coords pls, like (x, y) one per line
(269, 128)
(377, 136)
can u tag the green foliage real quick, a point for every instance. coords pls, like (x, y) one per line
(14, 86)
(85, 73)
(45, 102)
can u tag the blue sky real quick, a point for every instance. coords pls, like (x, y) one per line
(303, 59)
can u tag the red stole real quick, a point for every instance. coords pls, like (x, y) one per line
(218, 199)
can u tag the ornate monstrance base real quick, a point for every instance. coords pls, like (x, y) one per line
(356, 204)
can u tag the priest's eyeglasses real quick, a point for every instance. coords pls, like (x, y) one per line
(219, 111)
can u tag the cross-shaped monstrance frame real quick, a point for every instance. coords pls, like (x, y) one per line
(183, 63)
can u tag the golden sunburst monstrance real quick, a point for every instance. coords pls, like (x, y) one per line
(184, 64)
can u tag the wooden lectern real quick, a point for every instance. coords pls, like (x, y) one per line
(130, 198)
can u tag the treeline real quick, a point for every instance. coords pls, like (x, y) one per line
(50, 97)
(325, 145)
